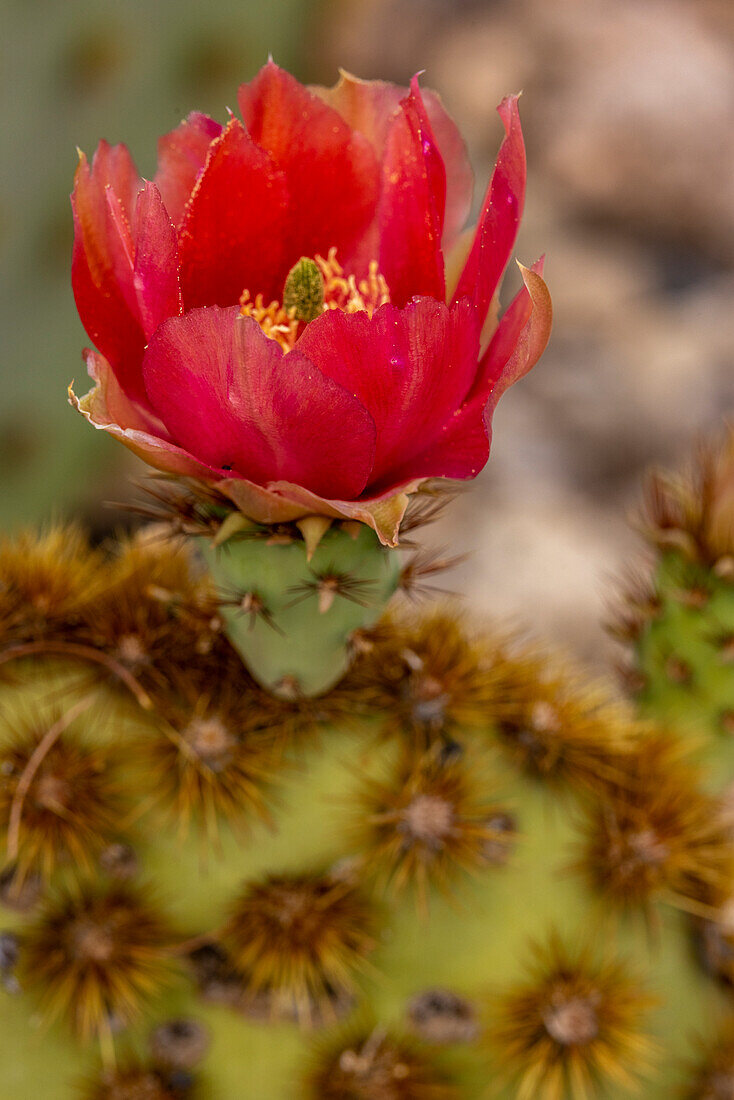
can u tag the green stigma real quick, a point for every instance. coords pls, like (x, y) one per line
(303, 294)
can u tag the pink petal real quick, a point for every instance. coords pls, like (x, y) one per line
(231, 397)
(369, 106)
(410, 368)
(412, 205)
(500, 216)
(182, 155)
(232, 234)
(332, 171)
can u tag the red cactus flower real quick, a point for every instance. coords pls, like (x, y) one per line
(202, 368)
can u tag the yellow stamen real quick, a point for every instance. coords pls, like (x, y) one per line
(344, 292)
(341, 291)
(275, 322)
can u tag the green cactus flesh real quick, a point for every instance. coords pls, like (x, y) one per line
(290, 618)
(678, 616)
(685, 656)
(541, 757)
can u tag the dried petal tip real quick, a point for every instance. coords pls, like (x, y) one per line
(303, 294)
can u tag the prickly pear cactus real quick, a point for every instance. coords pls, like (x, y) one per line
(677, 615)
(460, 872)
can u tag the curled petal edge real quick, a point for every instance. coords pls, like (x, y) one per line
(275, 502)
(533, 338)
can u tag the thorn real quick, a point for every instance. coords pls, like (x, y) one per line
(361, 641)
(329, 584)
(352, 527)
(232, 525)
(288, 688)
(724, 567)
(423, 565)
(313, 529)
(327, 591)
(253, 605)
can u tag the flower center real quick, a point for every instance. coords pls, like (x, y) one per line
(312, 287)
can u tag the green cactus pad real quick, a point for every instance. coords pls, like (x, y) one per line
(317, 795)
(678, 616)
(290, 618)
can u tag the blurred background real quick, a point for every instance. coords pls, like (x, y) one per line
(628, 110)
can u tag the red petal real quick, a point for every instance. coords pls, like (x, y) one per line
(124, 266)
(232, 233)
(109, 395)
(332, 171)
(462, 447)
(102, 263)
(410, 368)
(370, 105)
(156, 261)
(412, 206)
(105, 407)
(113, 166)
(231, 397)
(181, 158)
(500, 216)
(459, 452)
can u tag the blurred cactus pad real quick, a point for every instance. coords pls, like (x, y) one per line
(461, 872)
(676, 611)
